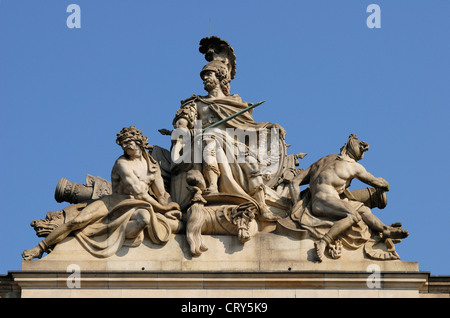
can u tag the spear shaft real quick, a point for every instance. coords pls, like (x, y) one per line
(234, 115)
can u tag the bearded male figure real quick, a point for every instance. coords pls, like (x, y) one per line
(222, 173)
(138, 201)
(328, 178)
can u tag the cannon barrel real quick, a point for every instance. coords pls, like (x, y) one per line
(72, 192)
(371, 197)
(67, 191)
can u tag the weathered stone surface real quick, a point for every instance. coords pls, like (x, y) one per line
(264, 252)
(241, 284)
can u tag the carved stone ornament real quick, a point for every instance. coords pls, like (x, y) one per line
(222, 174)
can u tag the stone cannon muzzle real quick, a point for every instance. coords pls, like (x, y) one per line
(95, 187)
(371, 197)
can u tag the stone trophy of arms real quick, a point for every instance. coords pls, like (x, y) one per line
(138, 202)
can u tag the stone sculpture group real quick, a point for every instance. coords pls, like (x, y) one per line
(223, 174)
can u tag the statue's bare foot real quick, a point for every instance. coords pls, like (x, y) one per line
(267, 215)
(395, 232)
(211, 191)
(320, 249)
(35, 252)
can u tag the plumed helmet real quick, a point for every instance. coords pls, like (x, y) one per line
(215, 48)
(218, 67)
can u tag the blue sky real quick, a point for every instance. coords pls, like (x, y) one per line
(65, 93)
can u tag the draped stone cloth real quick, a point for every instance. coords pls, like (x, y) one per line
(225, 107)
(356, 236)
(107, 235)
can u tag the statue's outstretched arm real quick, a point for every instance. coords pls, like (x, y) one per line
(364, 176)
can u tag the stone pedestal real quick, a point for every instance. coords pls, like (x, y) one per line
(269, 265)
(264, 252)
